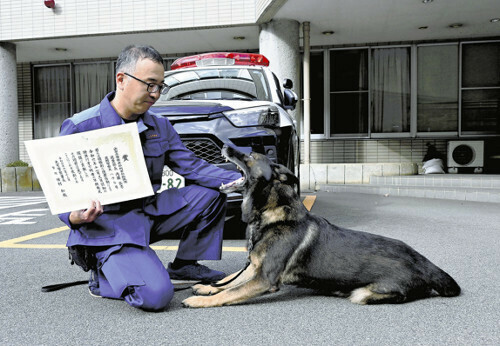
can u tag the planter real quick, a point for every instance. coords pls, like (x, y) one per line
(36, 183)
(9, 179)
(19, 179)
(24, 180)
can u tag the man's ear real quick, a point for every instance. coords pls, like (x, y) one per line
(120, 80)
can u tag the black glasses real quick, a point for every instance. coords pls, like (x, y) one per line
(152, 88)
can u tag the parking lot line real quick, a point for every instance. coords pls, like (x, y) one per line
(17, 243)
(309, 202)
(14, 243)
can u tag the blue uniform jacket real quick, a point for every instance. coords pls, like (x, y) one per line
(128, 222)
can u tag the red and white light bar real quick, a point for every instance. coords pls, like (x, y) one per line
(218, 59)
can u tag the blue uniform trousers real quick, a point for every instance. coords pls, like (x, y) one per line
(137, 275)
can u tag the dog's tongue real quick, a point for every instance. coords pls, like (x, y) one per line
(237, 181)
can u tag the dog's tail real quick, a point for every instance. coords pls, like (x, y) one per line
(444, 284)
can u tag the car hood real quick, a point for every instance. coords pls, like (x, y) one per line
(192, 108)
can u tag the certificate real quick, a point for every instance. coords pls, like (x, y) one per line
(106, 164)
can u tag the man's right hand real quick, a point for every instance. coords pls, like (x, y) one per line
(78, 217)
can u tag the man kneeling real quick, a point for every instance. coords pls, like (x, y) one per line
(119, 235)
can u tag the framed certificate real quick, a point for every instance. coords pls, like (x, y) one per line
(106, 164)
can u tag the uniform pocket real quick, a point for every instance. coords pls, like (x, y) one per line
(102, 227)
(155, 147)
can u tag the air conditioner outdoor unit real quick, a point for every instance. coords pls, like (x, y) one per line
(468, 154)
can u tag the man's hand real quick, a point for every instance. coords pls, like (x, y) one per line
(78, 217)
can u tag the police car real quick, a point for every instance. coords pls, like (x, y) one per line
(229, 98)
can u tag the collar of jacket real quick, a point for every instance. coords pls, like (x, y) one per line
(109, 117)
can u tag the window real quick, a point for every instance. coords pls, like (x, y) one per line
(446, 89)
(52, 91)
(390, 90)
(92, 82)
(481, 88)
(227, 83)
(349, 91)
(60, 90)
(437, 91)
(317, 93)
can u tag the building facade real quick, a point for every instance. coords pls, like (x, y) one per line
(383, 82)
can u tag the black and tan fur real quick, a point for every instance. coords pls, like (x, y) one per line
(289, 245)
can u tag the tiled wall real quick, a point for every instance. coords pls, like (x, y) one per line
(28, 19)
(370, 151)
(266, 9)
(24, 95)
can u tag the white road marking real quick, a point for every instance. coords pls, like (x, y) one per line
(22, 217)
(19, 201)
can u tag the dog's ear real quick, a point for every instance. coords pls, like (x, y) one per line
(285, 175)
(262, 170)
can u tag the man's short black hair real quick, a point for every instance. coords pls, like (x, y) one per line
(130, 55)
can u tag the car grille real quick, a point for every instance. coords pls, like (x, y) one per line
(205, 149)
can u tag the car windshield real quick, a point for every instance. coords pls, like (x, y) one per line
(217, 84)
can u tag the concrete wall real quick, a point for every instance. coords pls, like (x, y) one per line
(14, 179)
(278, 39)
(8, 104)
(313, 175)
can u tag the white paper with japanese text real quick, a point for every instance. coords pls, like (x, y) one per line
(106, 164)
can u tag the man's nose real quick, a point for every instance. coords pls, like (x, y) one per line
(155, 95)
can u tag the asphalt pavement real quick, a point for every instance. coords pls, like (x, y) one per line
(463, 238)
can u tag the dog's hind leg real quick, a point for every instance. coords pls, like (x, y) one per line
(372, 294)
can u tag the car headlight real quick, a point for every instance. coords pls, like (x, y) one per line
(257, 116)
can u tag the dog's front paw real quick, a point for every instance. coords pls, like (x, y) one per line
(204, 290)
(198, 302)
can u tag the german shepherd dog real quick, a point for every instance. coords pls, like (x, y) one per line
(289, 245)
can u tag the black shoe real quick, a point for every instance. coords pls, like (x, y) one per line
(94, 284)
(195, 272)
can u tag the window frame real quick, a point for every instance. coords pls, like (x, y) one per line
(328, 93)
(34, 104)
(111, 66)
(72, 96)
(413, 133)
(469, 134)
(438, 134)
(390, 135)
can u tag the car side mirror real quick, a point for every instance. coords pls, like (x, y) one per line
(287, 83)
(290, 99)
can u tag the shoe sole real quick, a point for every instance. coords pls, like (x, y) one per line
(94, 295)
(183, 282)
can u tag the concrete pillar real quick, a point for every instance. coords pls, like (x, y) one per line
(9, 129)
(307, 92)
(279, 41)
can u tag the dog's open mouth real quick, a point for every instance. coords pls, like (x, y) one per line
(236, 185)
(233, 186)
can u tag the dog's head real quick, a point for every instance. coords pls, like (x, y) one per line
(255, 168)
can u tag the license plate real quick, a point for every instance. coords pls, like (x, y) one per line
(171, 179)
